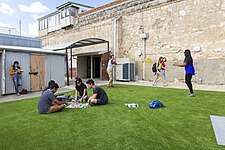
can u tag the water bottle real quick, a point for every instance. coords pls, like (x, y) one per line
(132, 105)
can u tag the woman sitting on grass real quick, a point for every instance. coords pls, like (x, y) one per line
(80, 88)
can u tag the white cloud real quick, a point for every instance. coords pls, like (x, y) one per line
(35, 16)
(6, 9)
(35, 7)
(5, 25)
(33, 28)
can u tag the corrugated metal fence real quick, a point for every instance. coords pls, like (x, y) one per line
(55, 69)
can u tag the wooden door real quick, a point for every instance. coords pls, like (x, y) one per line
(104, 59)
(37, 72)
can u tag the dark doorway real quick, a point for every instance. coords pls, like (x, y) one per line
(96, 64)
(96, 67)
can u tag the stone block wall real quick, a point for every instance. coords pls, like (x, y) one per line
(171, 25)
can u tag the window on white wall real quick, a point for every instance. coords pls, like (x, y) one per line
(63, 14)
(42, 24)
(57, 19)
(73, 11)
(46, 23)
(49, 22)
(67, 12)
(39, 26)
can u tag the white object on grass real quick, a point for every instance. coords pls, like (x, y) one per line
(219, 129)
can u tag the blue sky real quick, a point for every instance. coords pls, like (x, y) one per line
(11, 11)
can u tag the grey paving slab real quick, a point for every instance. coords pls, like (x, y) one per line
(218, 123)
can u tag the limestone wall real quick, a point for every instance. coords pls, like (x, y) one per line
(172, 26)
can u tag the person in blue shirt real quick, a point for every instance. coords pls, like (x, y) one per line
(48, 102)
(189, 69)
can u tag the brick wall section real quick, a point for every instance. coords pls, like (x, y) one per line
(74, 72)
(105, 59)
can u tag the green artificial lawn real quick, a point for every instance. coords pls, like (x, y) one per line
(183, 124)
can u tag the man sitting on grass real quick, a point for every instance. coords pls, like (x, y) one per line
(48, 102)
(99, 96)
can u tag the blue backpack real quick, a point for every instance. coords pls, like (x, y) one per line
(156, 104)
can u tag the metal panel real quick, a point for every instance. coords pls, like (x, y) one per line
(55, 69)
(1, 75)
(24, 60)
(14, 40)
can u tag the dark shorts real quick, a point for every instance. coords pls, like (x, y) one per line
(101, 102)
(44, 111)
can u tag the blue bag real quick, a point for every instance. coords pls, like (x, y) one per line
(156, 104)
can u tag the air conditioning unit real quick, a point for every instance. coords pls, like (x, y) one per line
(125, 72)
(67, 21)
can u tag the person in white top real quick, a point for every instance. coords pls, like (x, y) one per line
(110, 71)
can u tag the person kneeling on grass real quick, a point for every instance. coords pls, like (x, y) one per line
(48, 102)
(80, 88)
(99, 96)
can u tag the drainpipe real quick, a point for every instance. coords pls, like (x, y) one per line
(144, 57)
(115, 36)
(91, 67)
(3, 73)
(67, 68)
(108, 50)
(71, 64)
(114, 43)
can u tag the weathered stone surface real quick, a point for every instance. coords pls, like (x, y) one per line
(172, 26)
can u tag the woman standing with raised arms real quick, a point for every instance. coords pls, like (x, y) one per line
(189, 69)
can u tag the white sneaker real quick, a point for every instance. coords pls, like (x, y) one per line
(191, 95)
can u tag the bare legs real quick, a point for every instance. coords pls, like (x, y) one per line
(55, 108)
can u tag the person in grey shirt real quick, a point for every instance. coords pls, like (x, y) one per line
(99, 96)
(48, 102)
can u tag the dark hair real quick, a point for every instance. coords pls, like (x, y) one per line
(15, 63)
(187, 53)
(50, 83)
(160, 58)
(54, 85)
(188, 59)
(164, 58)
(111, 55)
(78, 80)
(159, 61)
(90, 81)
